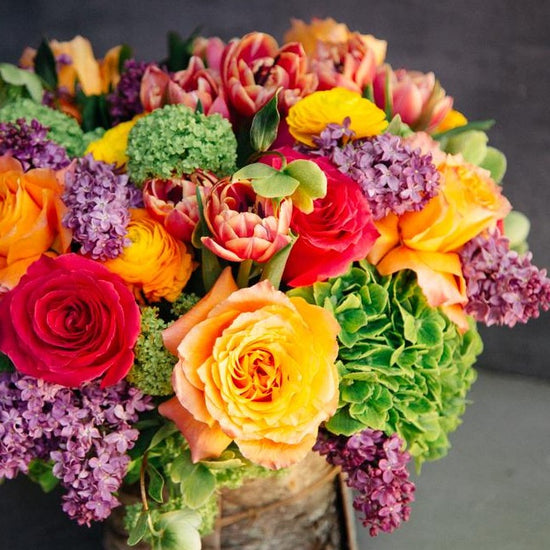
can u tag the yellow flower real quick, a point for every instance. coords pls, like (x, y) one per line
(255, 367)
(319, 30)
(453, 119)
(155, 265)
(309, 116)
(111, 147)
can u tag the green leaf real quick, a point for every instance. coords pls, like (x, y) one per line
(274, 268)
(156, 483)
(123, 56)
(166, 430)
(44, 65)
(5, 363)
(472, 145)
(14, 76)
(356, 392)
(41, 472)
(198, 486)
(182, 467)
(276, 186)
(138, 531)
(257, 170)
(495, 162)
(483, 125)
(516, 228)
(95, 111)
(265, 125)
(343, 424)
(180, 50)
(312, 180)
(180, 530)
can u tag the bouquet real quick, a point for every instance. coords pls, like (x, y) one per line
(214, 265)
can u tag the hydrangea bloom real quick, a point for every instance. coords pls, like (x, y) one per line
(393, 177)
(376, 467)
(124, 101)
(503, 287)
(86, 433)
(28, 143)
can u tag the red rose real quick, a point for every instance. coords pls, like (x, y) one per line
(68, 321)
(339, 231)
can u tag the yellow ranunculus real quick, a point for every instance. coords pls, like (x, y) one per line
(255, 367)
(309, 116)
(453, 119)
(155, 265)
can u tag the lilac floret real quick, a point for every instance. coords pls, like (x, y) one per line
(376, 468)
(29, 144)
(124, 102)
(503, 287)
(84, 432)
(393, 177)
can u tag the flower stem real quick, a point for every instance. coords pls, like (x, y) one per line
(244, 273)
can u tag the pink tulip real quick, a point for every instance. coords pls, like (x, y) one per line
(243, 225)
(417, 97)
(210, 50)
(254, 68)
(174, 201)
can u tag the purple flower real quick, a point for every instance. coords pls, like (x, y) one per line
(28, 143)
(124, 102)
(503, 287)
(376, 467)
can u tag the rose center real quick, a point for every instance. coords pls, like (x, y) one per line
(256, 375)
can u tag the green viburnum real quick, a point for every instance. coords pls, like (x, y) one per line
(63, 129)
(175, 140)
(183, 303)
(404, 367)
(153, 363)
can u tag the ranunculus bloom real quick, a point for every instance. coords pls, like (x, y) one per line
(254, 68)
(340, 229)
(69, 321)
(310, 116)
(417, 97)
(245, 226)
(255, 367)
(155, 265)
(174, 201)
(31, 211)
(428, 241)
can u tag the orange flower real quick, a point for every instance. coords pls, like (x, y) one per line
(155, 265)
(31, 211)
(255, 367)
(318, 31)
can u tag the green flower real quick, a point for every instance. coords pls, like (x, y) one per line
(404, 367)
(175, 140)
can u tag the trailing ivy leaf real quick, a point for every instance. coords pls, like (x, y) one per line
(139, 530)
(12, 76)
(265, 125)
(156, 483)
(45, 66)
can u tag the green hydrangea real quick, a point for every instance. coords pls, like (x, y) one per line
(63, 129)
(175, 140)
(153, 364)
(404, 367)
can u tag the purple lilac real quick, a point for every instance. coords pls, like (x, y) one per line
(393, 177)
(97, 199)
(85, 433)
(376, 467)
(29, 144)
(124, 102)
(503, 287)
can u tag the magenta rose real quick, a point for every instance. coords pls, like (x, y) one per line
(340, 230)
(68, 321)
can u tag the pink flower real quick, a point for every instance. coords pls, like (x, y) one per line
(210, 50)
(174, 201)
(417, 97)
(245, 226)
(254, 68)
(69, 321)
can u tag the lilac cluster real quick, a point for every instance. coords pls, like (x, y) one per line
(98, 199)
(124, 102)
(85, 433)
(29, 144)
(503, 287)
(376, 467)
(393, 177)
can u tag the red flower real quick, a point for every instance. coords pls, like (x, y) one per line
(69, 321)
(340, 229)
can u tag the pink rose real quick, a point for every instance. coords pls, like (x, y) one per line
(68, 321)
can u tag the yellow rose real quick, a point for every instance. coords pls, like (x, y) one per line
(310, 116)
(255, 367)
(155, 265)
(31, 211)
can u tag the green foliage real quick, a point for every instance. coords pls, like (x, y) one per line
(153, 363)
(265, 125)
(516, 229)
(41, 472)
(5, 364)
(183, 303)
(404, 367)
(63, 129)
(175, 140)
(18, 83)
(45, 66)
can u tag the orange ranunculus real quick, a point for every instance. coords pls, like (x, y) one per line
(155, 265)
(428, 241)
(255, 367)
(31, 211)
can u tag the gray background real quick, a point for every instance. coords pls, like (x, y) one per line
(492, 56)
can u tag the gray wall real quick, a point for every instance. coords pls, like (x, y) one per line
(492, 56)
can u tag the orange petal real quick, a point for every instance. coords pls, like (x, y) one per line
(204, 441)
(223, 287)
(456, 314)
(389, 237)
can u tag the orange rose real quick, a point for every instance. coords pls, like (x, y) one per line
(155, 265)
(255, 367)
(31, 211)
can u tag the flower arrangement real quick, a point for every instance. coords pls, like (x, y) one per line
(213, 265)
